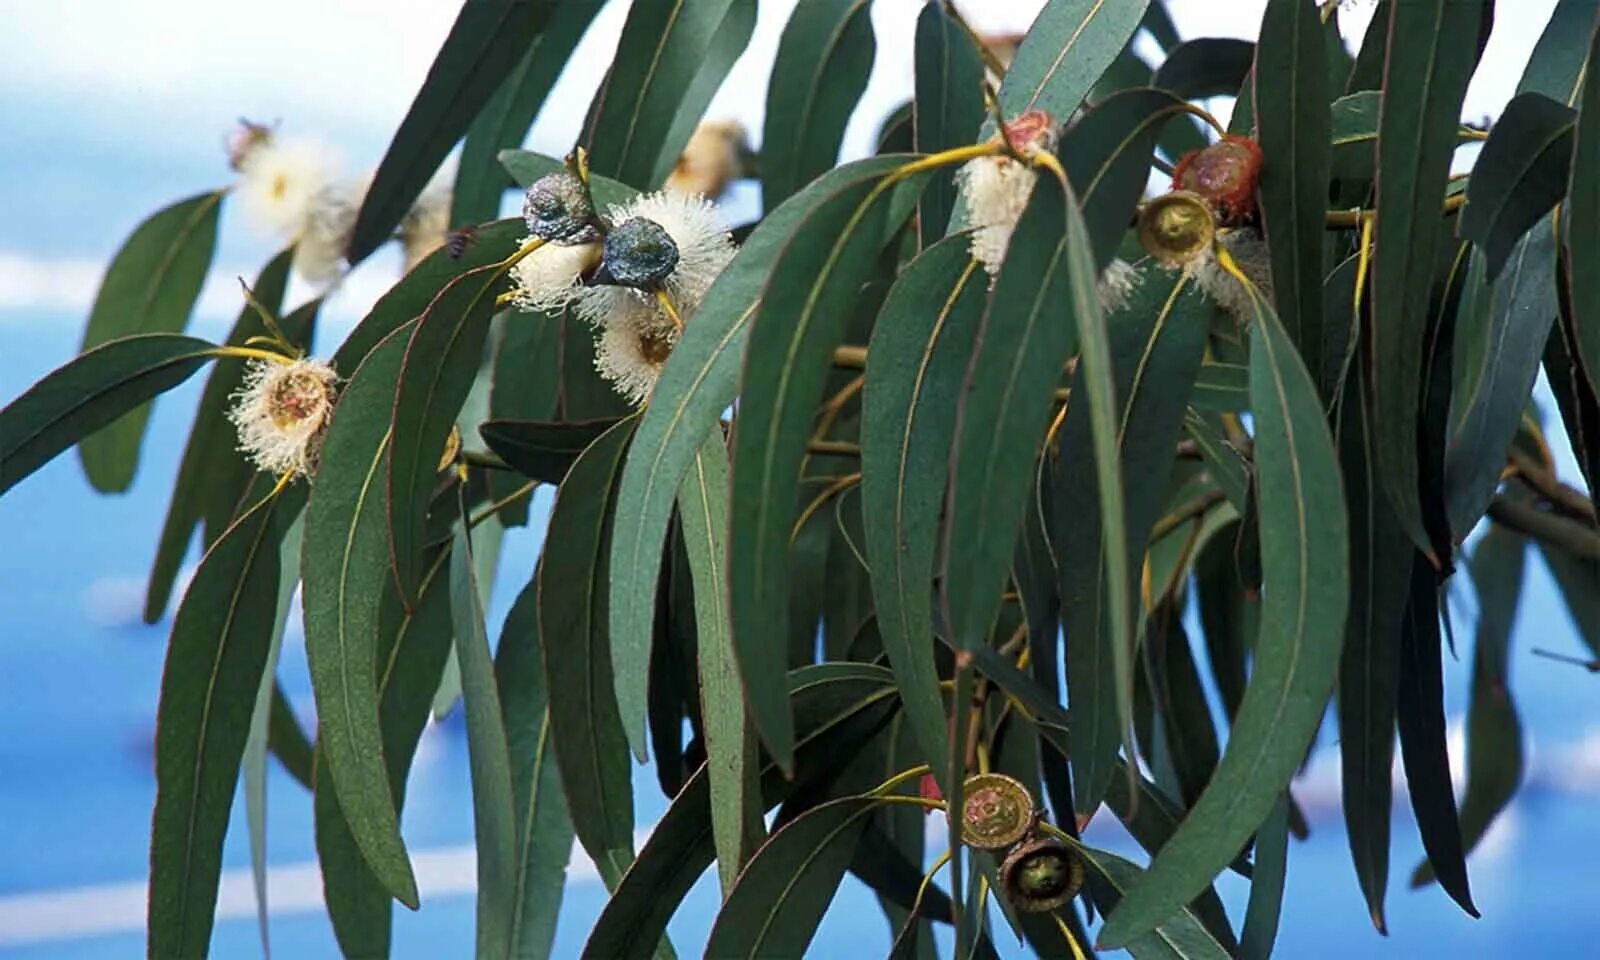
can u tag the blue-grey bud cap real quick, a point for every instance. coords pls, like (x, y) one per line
(557, 209)
(639, 253)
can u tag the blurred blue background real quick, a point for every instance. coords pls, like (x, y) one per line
(113, 110)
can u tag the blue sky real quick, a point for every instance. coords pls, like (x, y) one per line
(113, 110)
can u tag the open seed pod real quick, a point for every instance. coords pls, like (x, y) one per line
(1041, 875)
(1177, 228)
(996, 811)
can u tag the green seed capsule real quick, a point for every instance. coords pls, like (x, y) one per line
(996, 811)
(1041, 875)
(639, 253)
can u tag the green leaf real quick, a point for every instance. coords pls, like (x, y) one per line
(527, 167)
(1380, 567)
(1005, 403)
(539, 449)
(1520, 175)
(1266, 887)
(1574, 392)
(1179, 935)
(1495, 763)
(88, 392)
(411, 297)
(697, 383)
(948, 108)
(1555, 68)
(781, 896)
(1222, 387)
(345, 569)
(1069, 45)
(544, 829)
(590, 749)
(150, 288)
(1503, 346)
(1583, 219)
(1305, 560)
(412, 649)
(823, 60)
(838, 708)
(732, 758)
(213, 473)
(727, 46)
(1154, 350)
(285, 738)
(215, 661)
(444, 353)
(494, 826)
(1578, 579)
(504, 120)
(1293, 124)
(1422, 737)
(1424, 82)
(484, 46)
(1207, 67)
(656, 75)
(799, 322)
(915, 365)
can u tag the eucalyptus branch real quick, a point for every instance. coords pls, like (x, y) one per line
(1568, 500)
(486, 461)
(833, 448)
(1567, 535)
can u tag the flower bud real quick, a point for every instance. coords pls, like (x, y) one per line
(996, 811)
(557, 209)
(1177, 228)
(639, 253)
(1225, 174)
(1041, 875)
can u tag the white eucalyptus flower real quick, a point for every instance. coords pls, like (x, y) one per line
(329, 221)
(549, 277)
(427, 223)
(1250, 252)
(281, 411)
(1117, 283)
(995, 189)
(279, 180)
(713, 158)
(632, 347)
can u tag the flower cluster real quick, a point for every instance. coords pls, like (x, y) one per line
(297, 189)
(635, 274)
(282, 412)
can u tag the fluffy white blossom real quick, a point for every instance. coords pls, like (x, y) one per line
(548, 278)
(632, 347)
(1117, 282)
(281, 411)
(996, 191)
(1250, 252)
(329, 220)
(427, 223)
(712, 159)
(279, 180)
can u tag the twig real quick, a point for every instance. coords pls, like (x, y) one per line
(1568, 500)
(1569, 535)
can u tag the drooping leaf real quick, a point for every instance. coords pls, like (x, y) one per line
(544, 830)
(1495, 763)
(1578, 579)
(1422, 737)
(658, 62)
(823, 60)
(1069, 45)
(590, 749)
(526, 167)
(345, 567)
(285, 738)
(483, 47)
(1179, 935)
(1503, 346)
(798, 323)
(1424, 83)
(443, 354)
(697, 383)
(838, 707)
(1206, 67)
(1305, 561)
(949, 107)
(149, 288)
(727, 45)
(1294, 125)
(1583, 214)
(1380, 568)
(732, 758)
(412, 649)
(1155, 348)
(212, 473)
(1574, 390)
(1266, 886)
(215, 661)
(542, 450)
(1520, 175)
(504, 120)
(915, 365)
(89, 392)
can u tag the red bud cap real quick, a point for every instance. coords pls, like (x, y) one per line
(1225, 174)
